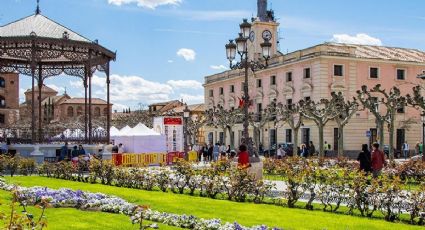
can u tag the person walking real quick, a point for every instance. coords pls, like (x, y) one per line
(406, 150)
(325, 148)
(210, 152)
(63, 152)
(378, 160)
(280, 152)
(243, 157)
(364, 158)
(312, 149)
(216, 152)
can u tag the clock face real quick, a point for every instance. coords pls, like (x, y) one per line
(267, 35)
(252, 36)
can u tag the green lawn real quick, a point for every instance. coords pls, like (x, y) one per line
(70, 218)
(245, 213)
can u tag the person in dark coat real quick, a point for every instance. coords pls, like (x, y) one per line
(210, 152)
(365, 159)
(311, 149)
(63, 152)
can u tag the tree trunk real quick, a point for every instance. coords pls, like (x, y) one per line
(321, 150)
(340, 140)
(391, 136)
(380, 124)
(224, 136)
(232, 138)
(295, 148)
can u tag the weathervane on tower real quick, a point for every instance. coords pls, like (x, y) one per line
(37, 10)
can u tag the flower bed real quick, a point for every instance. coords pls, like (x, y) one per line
(100, 202)
(332, 183)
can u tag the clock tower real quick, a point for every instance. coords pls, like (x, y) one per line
(264, 26)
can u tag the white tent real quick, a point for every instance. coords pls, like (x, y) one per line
(140, 139)
(125, 131)
(114, 131)
(142, 130)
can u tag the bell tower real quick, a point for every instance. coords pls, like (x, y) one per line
(264, 26)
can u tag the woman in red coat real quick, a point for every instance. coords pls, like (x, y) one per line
(243, 158)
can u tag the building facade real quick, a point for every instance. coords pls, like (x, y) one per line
(60, 108)
(313, 73)
(9, 99)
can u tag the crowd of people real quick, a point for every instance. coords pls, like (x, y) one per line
(213, 153)
(73, 154)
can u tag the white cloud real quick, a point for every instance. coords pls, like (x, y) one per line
(187, 54)
(135, 88)
(185, 84)
(218, 67)
(192, 99)
(150, 4)
(76, 84)
(170, 61)
(59, 89)
(361, 39)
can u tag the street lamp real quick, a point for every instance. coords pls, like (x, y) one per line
(186, 115)
(241, 47)
(422, 77)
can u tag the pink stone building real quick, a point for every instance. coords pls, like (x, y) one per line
(314, 73)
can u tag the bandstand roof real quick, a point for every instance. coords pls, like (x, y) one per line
(37, 43)
(41, 25)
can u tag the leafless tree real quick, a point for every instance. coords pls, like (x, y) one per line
(391, 101)
(260, 119)
(290, 114)
(320, 113)
(194, 124)
(345, 110)
(225, 119)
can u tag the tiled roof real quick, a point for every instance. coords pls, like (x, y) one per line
(164, 103)
(54, 99)
(95, 101)
(379, 52)
(41, 26)
(171, 105)
(44, 88)
(192, 108)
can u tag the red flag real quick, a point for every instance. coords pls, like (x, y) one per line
(241, 103)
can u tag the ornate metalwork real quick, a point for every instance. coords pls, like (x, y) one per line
(43, 57)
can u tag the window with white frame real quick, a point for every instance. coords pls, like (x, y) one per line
(307, 73)
(374, 72)
(401, 74)
(338, 70)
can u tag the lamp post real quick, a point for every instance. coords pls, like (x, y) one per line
(241, 47)
(422, 77)
(186, 115)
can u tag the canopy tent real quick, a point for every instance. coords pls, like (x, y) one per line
(125, 131)
(140, 139)
(114, 131)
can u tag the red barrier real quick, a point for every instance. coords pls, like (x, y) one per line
(173, 156)
(117, 159)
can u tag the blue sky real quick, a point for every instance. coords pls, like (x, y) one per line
(148, 35)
